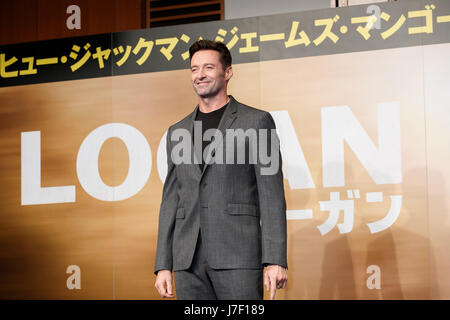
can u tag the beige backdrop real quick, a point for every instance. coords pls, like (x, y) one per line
(114, 242)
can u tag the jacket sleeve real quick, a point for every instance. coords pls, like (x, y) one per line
(272, 203)
(167, 213)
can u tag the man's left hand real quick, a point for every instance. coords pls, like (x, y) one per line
(275, 277)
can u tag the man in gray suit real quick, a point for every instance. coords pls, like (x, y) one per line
(222, 224)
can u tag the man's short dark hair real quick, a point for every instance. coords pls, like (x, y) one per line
(224, 53)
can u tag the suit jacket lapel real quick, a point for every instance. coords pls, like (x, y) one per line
(194, 157)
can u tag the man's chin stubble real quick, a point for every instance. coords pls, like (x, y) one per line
(207, 94)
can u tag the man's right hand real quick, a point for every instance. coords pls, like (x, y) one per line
(163, 283)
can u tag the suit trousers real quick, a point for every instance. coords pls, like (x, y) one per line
(201, 282)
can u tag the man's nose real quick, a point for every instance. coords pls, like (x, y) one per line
(202, 73)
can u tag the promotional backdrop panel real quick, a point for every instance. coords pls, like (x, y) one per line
(41, 241)
(437, 97)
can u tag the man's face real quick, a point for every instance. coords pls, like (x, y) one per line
(208, 76)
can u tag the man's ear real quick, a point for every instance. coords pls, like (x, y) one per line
(228, 73)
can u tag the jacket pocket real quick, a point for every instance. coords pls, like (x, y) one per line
(242, 209)
(180, 213)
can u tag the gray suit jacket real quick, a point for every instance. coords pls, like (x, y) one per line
(240, 212)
